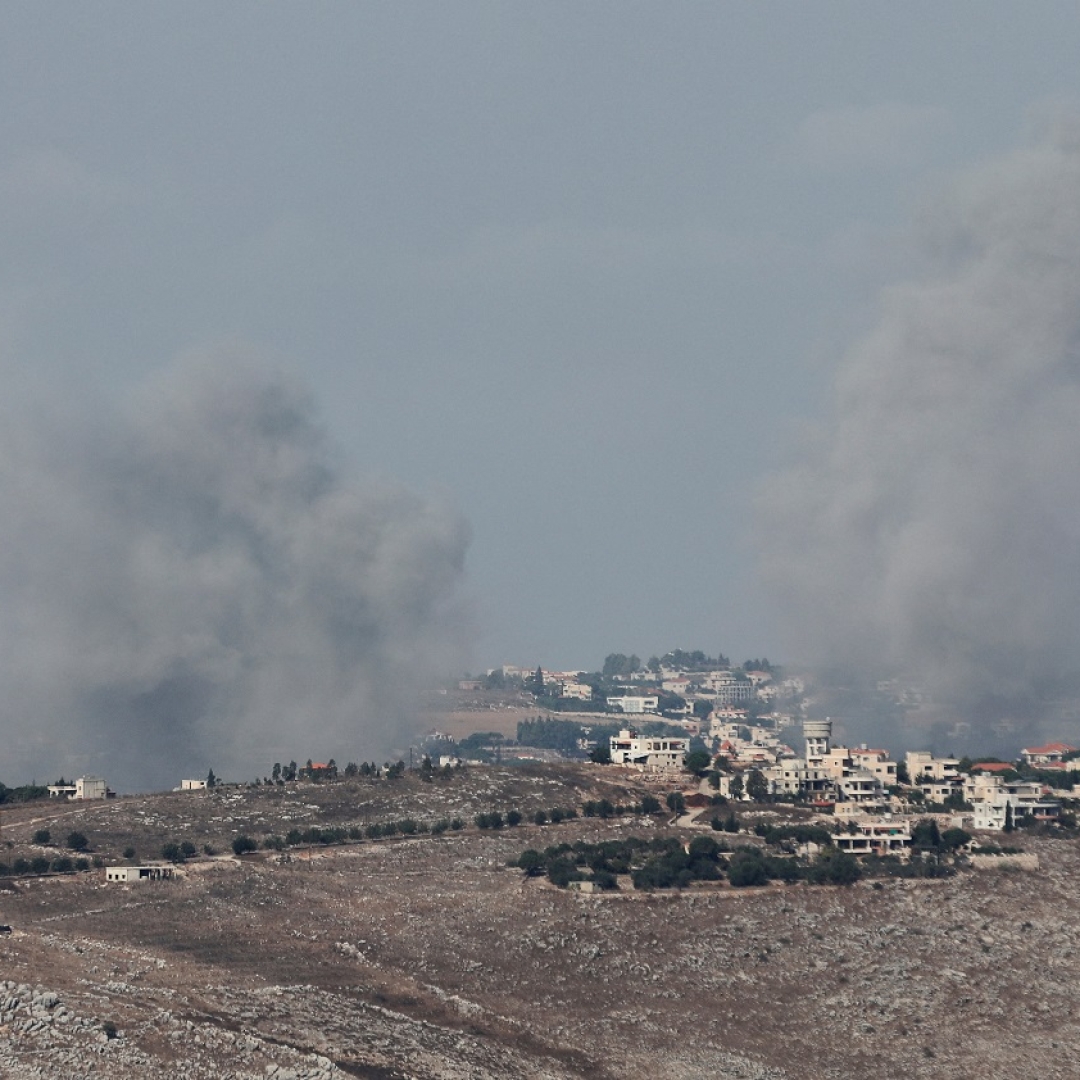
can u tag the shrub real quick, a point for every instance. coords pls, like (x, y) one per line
(532, 862)
(243, 844)
(188, 849)
(39, 865)
(76, 841)
(172, 852)
(82, 864)
(747, 869)
(513, 818)
(129, 852)
(42, 837)
(63, 864)
(540, 817)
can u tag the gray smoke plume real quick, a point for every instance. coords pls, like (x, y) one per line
(933, 526)
(192, 583)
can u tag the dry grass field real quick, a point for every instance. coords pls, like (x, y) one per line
(430, 957)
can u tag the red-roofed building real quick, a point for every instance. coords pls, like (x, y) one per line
(993, 766)
(1048, 754)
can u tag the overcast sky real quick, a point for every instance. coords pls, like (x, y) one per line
(579, 271)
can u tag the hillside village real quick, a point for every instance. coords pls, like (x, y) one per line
(660, 869)
(745, 733)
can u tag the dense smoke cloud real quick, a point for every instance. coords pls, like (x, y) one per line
(933, 528)
(191, 583)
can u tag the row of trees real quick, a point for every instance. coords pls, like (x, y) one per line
(664, 863)
(60, 864)
(24, 793)
(75, 841)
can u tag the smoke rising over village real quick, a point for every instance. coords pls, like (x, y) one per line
(193, 582)
(932, 527)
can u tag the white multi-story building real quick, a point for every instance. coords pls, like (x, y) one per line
(923, 763)
(874, 836)
(575, 690)
(991, 798)
(652, 752)
(635, 704)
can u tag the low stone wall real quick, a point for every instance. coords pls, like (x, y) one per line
(1023, 861)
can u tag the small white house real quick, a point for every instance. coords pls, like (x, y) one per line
(86, 787)
(192, 785)
(126, 874)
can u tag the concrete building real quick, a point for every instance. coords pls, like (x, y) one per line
(1051, 754)
(874, 836)
(637, 705)
(192, 785)
(991, 798)
(923, 763)
(86, 787)
(655, 752)
(126, 874)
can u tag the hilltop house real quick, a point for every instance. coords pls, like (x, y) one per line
(86, 787)
(655, 752)
(1051, 754)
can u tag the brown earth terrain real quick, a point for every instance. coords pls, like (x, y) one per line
(429, 956)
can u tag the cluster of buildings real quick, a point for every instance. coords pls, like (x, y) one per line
(859, 785)
(642, 691)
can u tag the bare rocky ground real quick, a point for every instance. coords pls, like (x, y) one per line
(429, 957)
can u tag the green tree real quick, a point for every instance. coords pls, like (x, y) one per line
(954, 838)
(535, 682)
(757, 787)
(747, 869)
(532, 862)
(735, 788)
(697, 762)
(76, 841)
(600, 754)
(1010, 824)
(211, 779)
(676, 803)
(621, 665)
(42, 837)
(243, 844)
(171, 851)
(650, 804)
(926, 835)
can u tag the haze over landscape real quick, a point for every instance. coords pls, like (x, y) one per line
(352, 345)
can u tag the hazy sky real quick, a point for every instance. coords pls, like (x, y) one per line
(578, 271)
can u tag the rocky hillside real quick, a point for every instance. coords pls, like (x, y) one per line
(428, 956)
